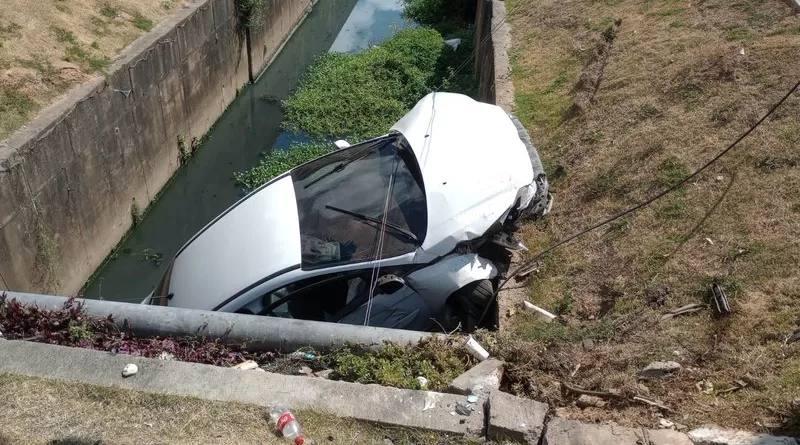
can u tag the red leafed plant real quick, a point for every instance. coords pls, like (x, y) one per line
(71, 326)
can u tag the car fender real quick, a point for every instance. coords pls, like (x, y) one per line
(436, 282)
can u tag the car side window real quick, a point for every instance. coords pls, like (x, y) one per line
(319, 298)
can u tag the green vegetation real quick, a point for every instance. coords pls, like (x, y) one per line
(672, 209)
(533, 329)
(46, 262)
(184, 152)
(739, 34)
(439, 361)
(136, 212)
(280, 161)
(251, 12)
(142, 22)
(437, 13)
(108, 11)
(671, 172)
(166, 4)
(63, 35)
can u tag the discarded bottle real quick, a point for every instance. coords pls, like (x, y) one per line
(303, 355)
(285, 422)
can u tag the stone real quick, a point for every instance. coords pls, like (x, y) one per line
(324, 374)
(666, 423)
(480, 379)
(586, 401)
(588, 344)
(246, 365)
(129, 370)
(658, 370)
(643, 389)
(514, 418)
(305, 370)
(166, 356)
(712, 435)
(423, 382)
(568, 432)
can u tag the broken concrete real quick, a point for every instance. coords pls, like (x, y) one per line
(712, 435)
(567, 432)
(481, 379)
(513, 418)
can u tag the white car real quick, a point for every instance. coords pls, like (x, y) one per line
(408, 230)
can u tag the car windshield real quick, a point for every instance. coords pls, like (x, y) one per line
(345, 198)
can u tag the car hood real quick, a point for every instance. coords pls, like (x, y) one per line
(473, 165)
(255, 239)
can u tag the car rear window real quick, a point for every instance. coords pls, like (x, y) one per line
(345, 198)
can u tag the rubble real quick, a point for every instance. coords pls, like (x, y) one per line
(658, 370)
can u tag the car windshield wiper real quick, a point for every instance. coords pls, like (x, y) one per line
(369, 219)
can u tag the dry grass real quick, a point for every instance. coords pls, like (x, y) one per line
(37, 411)
(48, 46)
(681, 81)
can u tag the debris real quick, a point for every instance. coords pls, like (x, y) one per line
(683, 310)
(305, 370)
(720, 178)
(147, 424)
(453, 43)
(246, 366)
(575, 371)
(681, 427)
(709, 241)
(324, 374)
(1, 334)
(705, 386)
(741, 51)
(712, 435)
(511, 312)
(720, 299)
(658, 370)
(260, 370)
(129, 370)
(462, 409)
(539, 312)
(475, 348)
(576, 390)
(792, 338)
(643, 389)
(527, 270)
(651, 402)
(588, 344)
(472, 398)
(586, 401)
(423, 382)
(431, 399)
(753, 382)
(303, 355)
(480, 379)
(166, 356)
(657, 296)
(737, 385)
(665, 423)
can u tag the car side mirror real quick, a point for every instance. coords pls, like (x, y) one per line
(341, 143)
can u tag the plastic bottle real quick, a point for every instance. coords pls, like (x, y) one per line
(285, 422)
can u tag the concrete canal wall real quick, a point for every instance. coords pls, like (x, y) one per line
(493, 39)
(69, 178)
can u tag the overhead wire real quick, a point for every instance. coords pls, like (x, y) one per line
(633, 209)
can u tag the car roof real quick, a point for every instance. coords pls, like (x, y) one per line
(473, 164)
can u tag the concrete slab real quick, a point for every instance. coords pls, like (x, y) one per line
(480, 379)
(567, 432)
(712, 435)
(515, 418)
(372, 403)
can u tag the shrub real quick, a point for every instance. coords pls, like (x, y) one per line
(434, 12)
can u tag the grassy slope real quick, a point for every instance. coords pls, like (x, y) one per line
(48, 46)
(682, 81)
(37, 411)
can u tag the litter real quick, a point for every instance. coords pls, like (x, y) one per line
(431, 399)
(472, 398)
(245, 366)
(129, 370)
(720, 300)
(476, 349)
(539, 312)
(464, 410)
(423, 382)
(453, 43)
(286, 424)
(303, 355)
(305, 370)
(683, 310)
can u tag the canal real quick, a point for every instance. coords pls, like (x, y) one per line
(249, 128)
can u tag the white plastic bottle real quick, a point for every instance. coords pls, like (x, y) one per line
(285, 422)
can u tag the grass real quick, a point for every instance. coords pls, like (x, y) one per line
(15, 108)
(38, 411)
(279, 161)
(142, 22)
(648, 125)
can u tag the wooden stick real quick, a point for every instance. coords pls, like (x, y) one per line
(652, 403)
(576, 390)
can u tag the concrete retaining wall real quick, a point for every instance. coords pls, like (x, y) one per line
(68, 179)
(492, 38)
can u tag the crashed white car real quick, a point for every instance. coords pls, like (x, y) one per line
(409, 230)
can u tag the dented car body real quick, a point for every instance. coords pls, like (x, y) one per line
(408, 230)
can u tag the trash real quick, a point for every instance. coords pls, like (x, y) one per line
(741, 51)
(657, 370)
(303, 355)
(1, 334)
(166, 356)
(588, 344)
(720, 178)
(286, 424)
(586, 401)
(423, 382)
(705, 386)
(464, 410)
(324, 374)
(510, 312)
(246, 366)
(720, 300)
(129, 370)
(666, 423)
(431, 399)
(453, 43)
(539, 312)
(709, 241)
(305, 370)
(476, 349)
(472, 398)
(683, 310)
(527, 270)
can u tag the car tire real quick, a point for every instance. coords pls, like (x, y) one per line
(467, 305)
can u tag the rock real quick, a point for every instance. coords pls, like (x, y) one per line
(472, 398)
(657, 296)
(305, 370)
(514, 418)
(423, 382)
(480, 379)
(643, 389)
(246, 365)
(658, 370)
(666, 423)
(712, 435)
(324, 374)
(567, 432)
(129, 370)
(586, 401)
(681, 427)
(463, 409)
(166, 356)
(588, 344)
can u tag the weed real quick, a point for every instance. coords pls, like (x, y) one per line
(565, 304)
(184, 152)
(434, 12)
(676, 24)
(280, 161)
(142, 22)
(532, 329)
(791, 31)
(542, 109)
(666, 12)
(46, 261)
(10, 30)
(108, 11)
(593, 137)
(691, 92)
(95, 44)
(15, 102)
(760, 19)
(602, 184)
(671, 172)
(771, 163)
(601, 25)
(796, 207)
(790, 135)
(559, 81)
(75, 53)
(63, 35)
(672, 209)
(152, 257)
(167, 4)
(251, 12)
(618, 229)
(646, 111)
(79, 331)
(738, 34)
(136, 213)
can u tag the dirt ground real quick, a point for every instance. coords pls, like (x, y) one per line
(37, 411)
(48, 46)
(621, 112)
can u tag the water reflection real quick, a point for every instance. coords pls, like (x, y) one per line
(371, 22)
